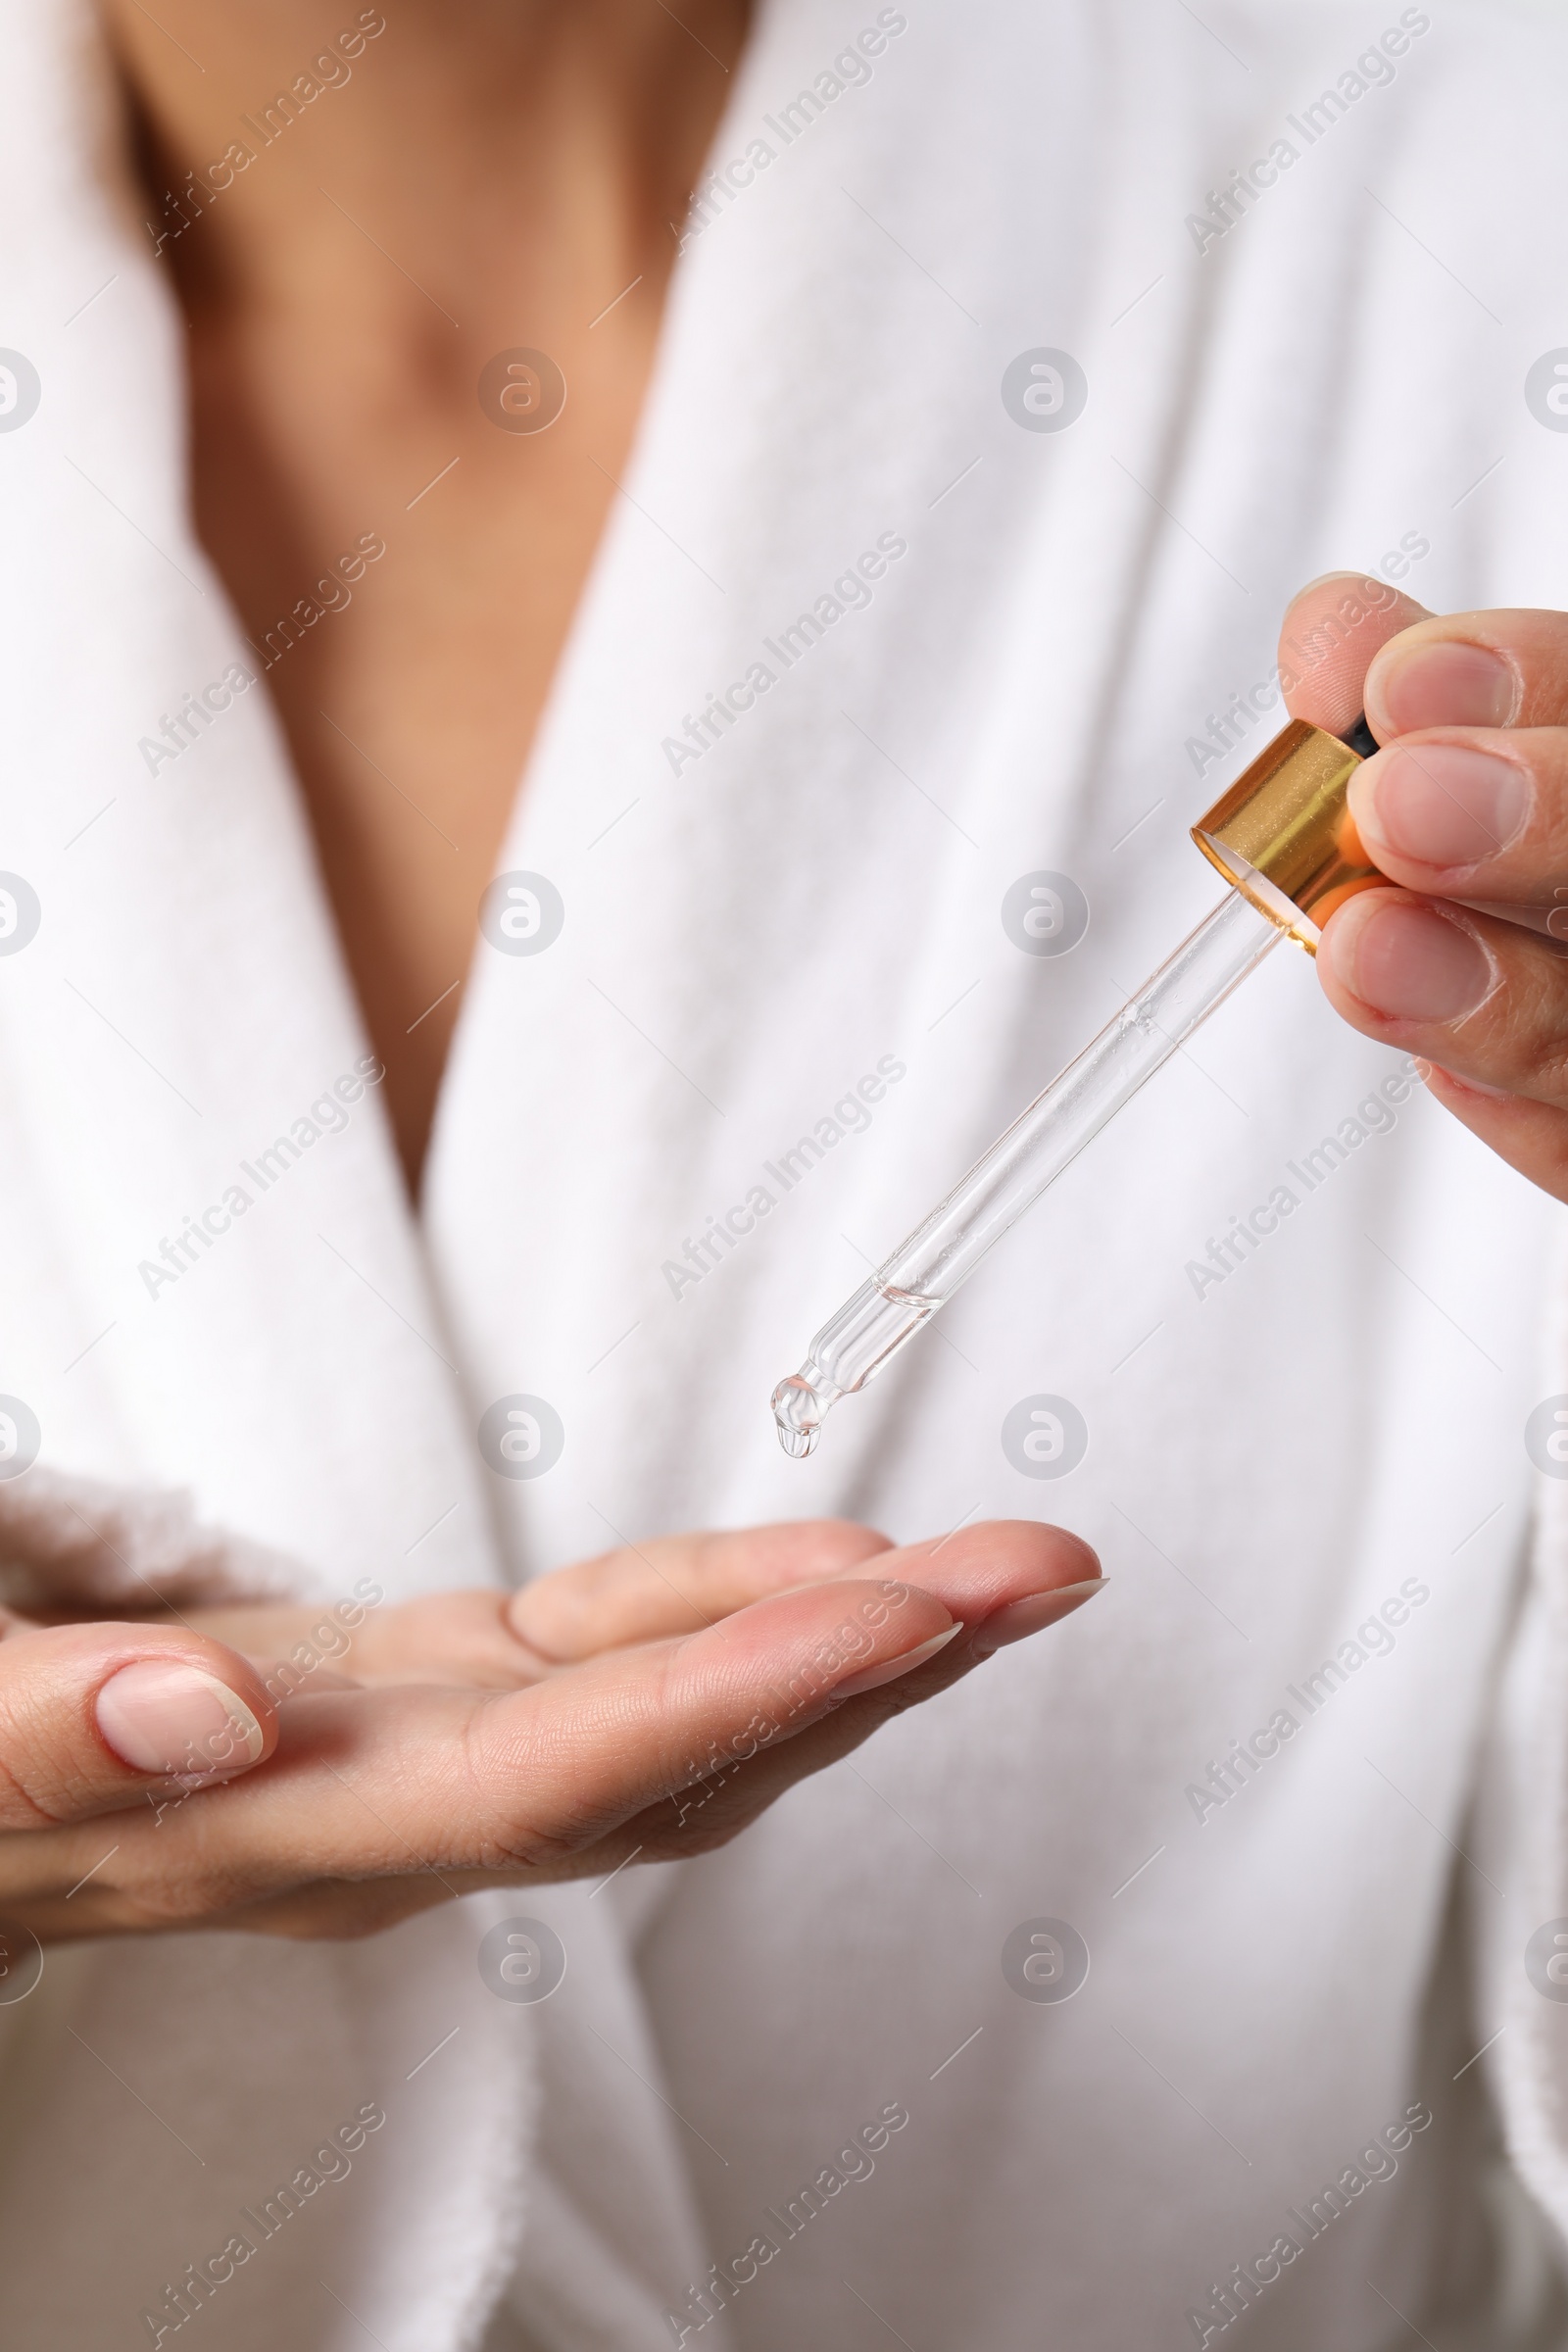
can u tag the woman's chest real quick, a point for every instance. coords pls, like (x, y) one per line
(406, 542)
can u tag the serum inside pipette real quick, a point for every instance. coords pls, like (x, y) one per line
(856, 1342)
(868, 1329)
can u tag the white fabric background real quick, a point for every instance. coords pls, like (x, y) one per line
(1265, 1466)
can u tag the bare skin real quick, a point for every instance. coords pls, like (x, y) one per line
(646, 1706)
(1466, 808)
(521, 173)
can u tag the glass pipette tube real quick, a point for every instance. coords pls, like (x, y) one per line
(1282, 835)
(923, 1274)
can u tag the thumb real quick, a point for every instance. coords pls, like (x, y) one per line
(93, 1715)
(1331, 632)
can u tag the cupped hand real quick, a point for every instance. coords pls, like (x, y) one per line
(660, 1698)
(1466, 809)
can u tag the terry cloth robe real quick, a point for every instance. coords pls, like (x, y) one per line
(1018, 365)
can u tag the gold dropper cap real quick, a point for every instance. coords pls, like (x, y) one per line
(1284, 834)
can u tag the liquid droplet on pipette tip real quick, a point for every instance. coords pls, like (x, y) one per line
(798, 1412)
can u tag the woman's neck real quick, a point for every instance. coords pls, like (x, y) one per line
(449, 134)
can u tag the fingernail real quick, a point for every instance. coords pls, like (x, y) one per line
(891, 1668)
(175, 1719)
(1425, 1070)
(1443, 805)
(1412, 963)
(1020, 1618)
(1446, 686)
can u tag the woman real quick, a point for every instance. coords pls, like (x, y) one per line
(491, 463)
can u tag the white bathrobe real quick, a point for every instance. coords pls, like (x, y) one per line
(1306, 1464)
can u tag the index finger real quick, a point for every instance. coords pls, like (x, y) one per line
(679, 1583)
(1332, 633)
(675, 1584)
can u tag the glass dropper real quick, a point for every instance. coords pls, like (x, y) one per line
(1284, 837)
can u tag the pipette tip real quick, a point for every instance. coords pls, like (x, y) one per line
(798, 1409)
